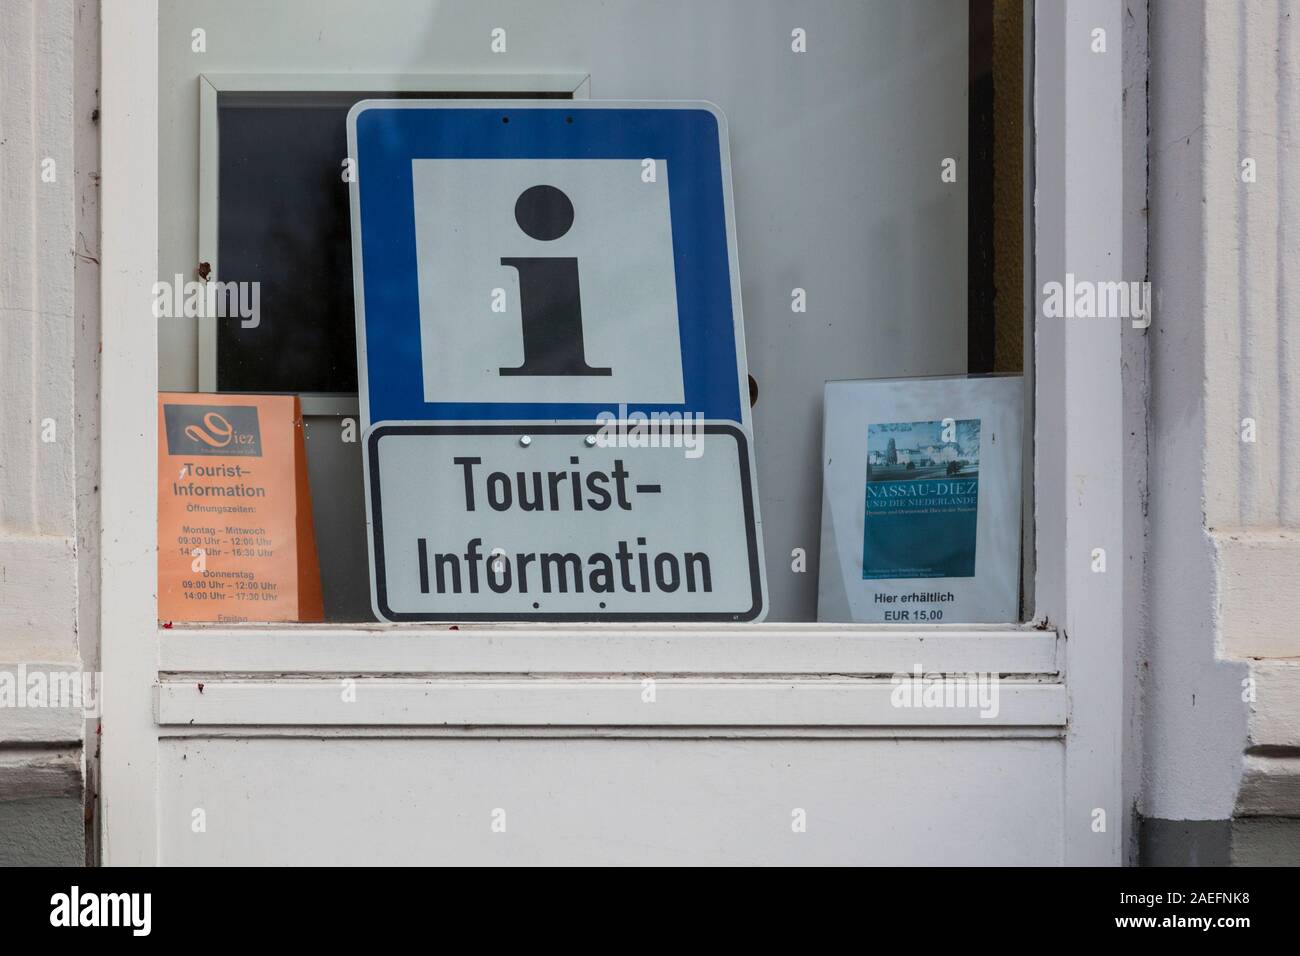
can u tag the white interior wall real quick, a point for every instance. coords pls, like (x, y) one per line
(836, 157)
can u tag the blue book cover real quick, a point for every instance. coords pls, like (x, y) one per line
(921, 507)
(921, 499)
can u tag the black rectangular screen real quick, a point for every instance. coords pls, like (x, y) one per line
(282, 221)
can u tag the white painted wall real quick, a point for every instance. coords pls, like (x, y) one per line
(1195, 721)
(42, 430)
(835, 153)
(1225, 345)
(37, 339)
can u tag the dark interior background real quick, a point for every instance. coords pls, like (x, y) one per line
(283, 221)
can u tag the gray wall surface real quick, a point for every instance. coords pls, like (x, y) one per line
(45, 831)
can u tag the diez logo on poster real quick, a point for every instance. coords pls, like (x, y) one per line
(213, 430)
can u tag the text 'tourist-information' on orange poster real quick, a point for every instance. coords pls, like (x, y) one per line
(235, 535)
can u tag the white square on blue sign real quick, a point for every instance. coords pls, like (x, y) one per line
(622, 296)
(616, 240)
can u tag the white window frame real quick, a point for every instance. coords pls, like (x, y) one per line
(1063, 676)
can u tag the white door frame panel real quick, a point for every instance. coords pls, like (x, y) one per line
(741, 680)
(128, 793)
(1079, 433)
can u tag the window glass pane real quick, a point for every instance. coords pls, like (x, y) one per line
(858, 218)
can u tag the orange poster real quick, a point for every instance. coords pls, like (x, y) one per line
(235, 535)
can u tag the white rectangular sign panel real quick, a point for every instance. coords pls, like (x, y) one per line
(535, 522)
